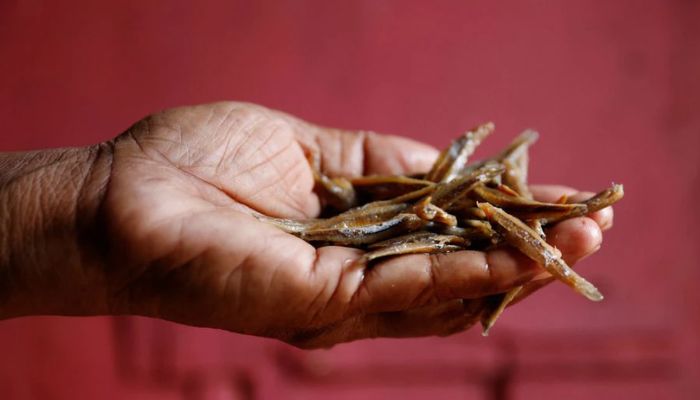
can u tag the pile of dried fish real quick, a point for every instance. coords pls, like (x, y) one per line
(455, 206)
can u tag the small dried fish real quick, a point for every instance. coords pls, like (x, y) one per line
(495, 307)
(605, 198)
(484, 227)
(337, 193)
(410, 196)
(419, 242)
(369, 213)
(515, 160)
(447, 194)
(363, 233)
(379, 187)
(601, 200)
(517, 148)
(532, 245)
(515, 154)
(453, 159)
(475, 233)
(476, 206)
(522, 207)
(430, 212)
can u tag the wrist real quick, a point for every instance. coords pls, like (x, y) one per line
(50, 238)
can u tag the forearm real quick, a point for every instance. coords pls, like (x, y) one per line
(50, 260)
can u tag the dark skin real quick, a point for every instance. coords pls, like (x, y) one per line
(159, 222)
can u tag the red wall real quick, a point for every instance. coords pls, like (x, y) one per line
(614, 88)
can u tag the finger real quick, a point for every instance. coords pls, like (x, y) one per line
(415, 280)
(341, 286)
(576, 238)
(348, 153)
(551, 193)
(442, 319)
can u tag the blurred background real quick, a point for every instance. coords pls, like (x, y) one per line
(613, 87)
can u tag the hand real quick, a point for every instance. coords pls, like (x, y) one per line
(181, 242)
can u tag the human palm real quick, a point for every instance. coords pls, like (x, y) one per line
(185, 244)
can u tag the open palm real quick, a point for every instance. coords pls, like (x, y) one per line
(185, 245)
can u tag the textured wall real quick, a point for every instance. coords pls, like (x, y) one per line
(613, 87)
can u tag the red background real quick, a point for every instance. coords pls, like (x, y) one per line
(613, 87)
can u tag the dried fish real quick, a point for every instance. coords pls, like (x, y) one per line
(420, 242)
(430, 212)
(532, 245)
(416, 194)
(453, 159)
(601, 200)
(363, 233)
(369, 213)
(480, 232)
(337, 193)
(447, 194)
(518, 148)
(524, 208)
(605, 198)
(380, 187)
(515, 160)
(484, 227)
(495, 307)
(456, 205)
